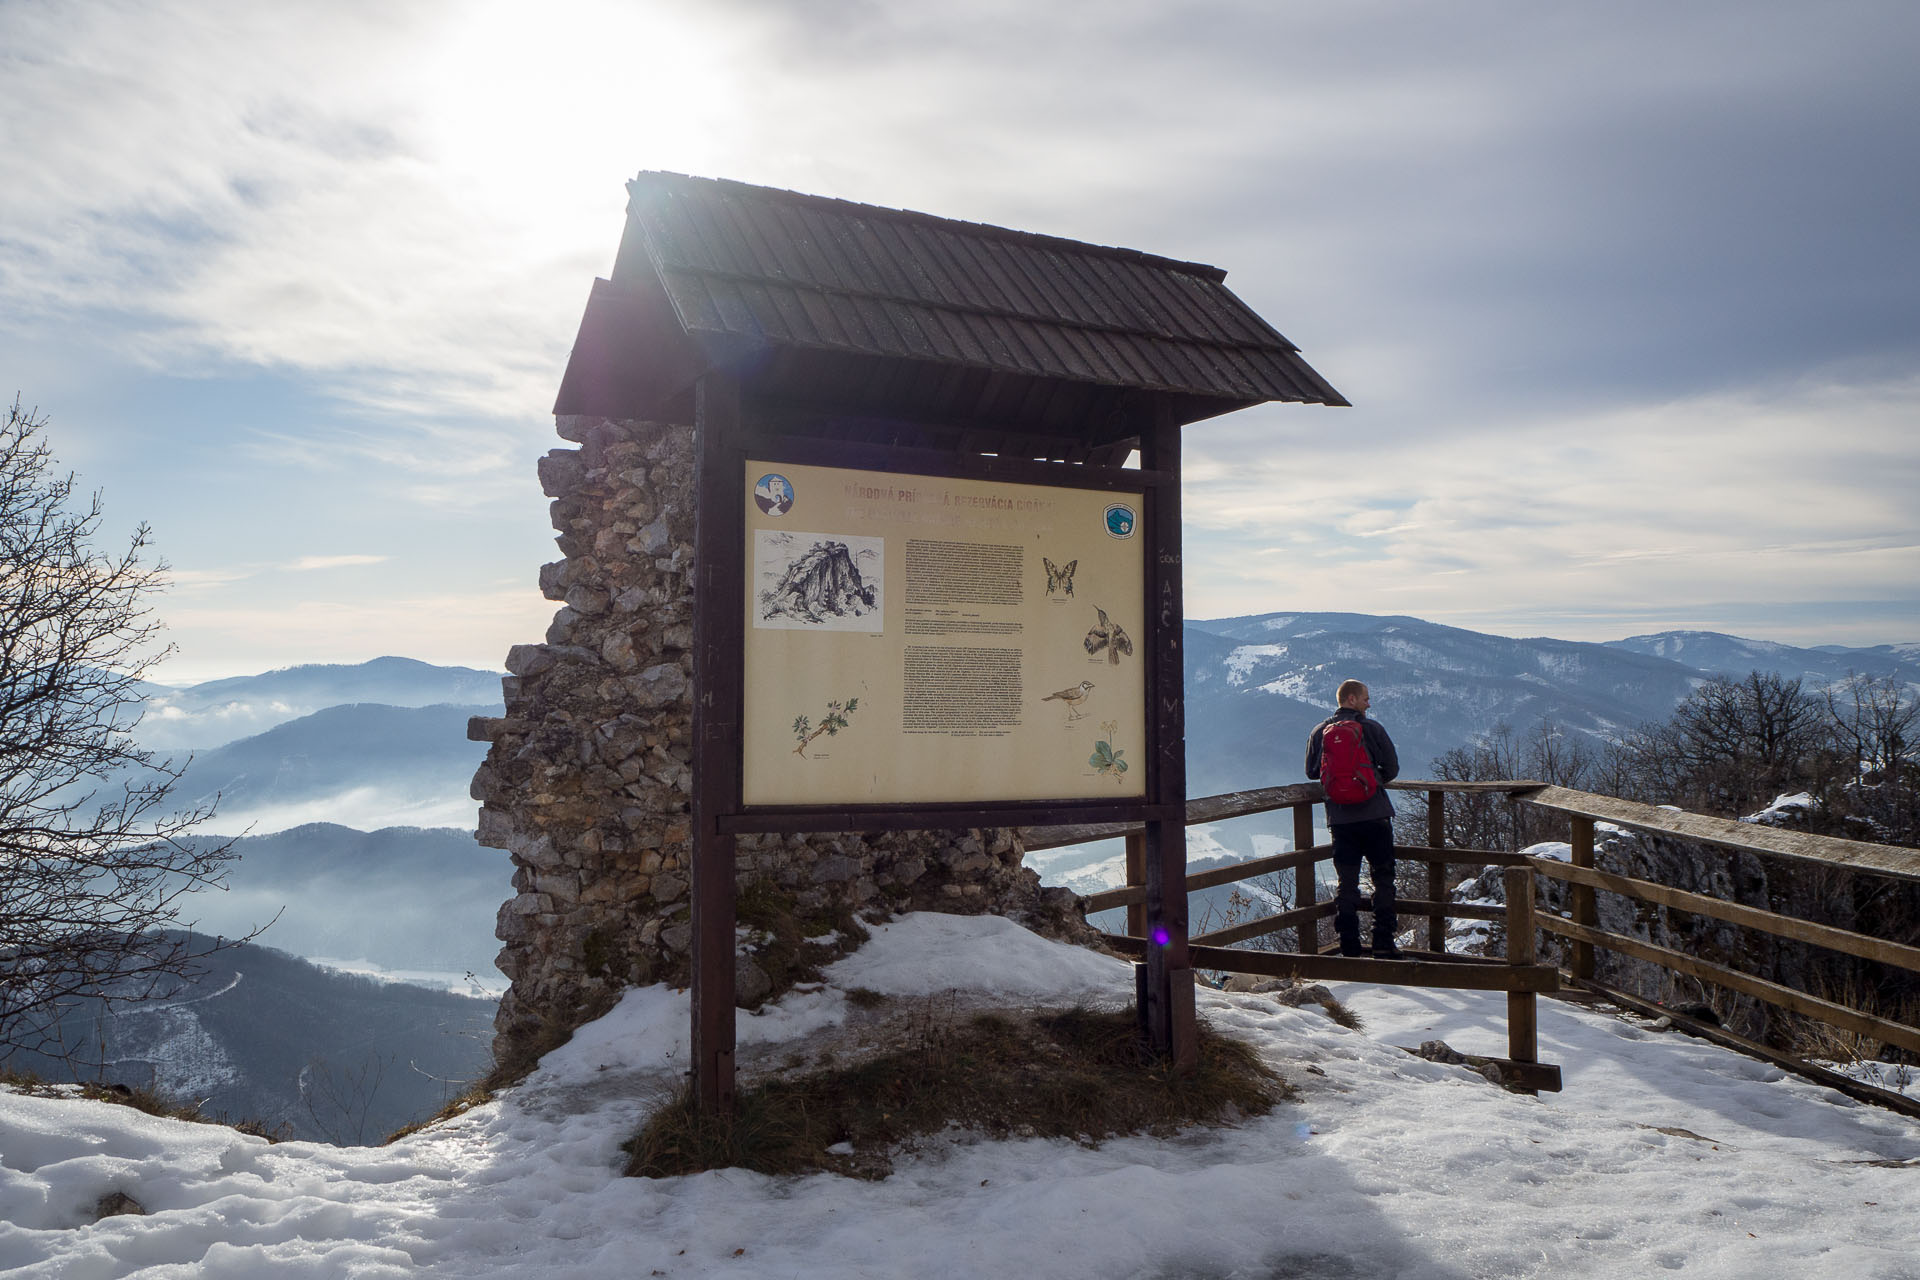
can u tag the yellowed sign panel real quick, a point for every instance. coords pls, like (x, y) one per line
(913, 639)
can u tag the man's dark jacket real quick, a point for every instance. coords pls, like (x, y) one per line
(1386, 767)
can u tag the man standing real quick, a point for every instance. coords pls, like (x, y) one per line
(1354, 759)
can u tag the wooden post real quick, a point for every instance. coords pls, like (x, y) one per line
(1523, 1026)
(1169, 1015)
(718, 616)
(1306, 880)
(1136, 876)
(1581, 897)
(1437, 871)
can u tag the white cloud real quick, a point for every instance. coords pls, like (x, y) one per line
(1804, 495)
(411, 199)
(335, 562)
(1563, 263)
(472, 629)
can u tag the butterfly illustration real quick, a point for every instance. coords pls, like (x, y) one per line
(1109, 636)
(1060, 576)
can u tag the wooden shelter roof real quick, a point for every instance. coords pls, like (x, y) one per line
(884, 315)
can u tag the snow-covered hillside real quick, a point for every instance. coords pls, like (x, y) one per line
(1256, 685)
(1734, 656)
(1663, 1154)
(257, 1034)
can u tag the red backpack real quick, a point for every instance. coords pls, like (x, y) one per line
(1346, 770)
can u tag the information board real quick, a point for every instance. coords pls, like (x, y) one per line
(918, 639)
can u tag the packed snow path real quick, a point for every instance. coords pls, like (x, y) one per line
(1663, 1153)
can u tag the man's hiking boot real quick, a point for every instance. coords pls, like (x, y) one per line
(1390, 952)
(1352, 952)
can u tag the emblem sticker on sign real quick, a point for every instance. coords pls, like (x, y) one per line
(773, 494)
(1120, 520)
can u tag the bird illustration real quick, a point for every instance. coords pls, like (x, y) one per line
(1109, 636)
(1073, 697)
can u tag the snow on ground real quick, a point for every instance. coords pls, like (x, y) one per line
(1663, 1153)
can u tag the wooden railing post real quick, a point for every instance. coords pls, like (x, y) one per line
(1305, 880)
(1581, 897)
(1136, 878)
(1437, 871)
(1523, 1027)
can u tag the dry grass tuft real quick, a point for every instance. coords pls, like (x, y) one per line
(1342, 1014)
(1079, 1074)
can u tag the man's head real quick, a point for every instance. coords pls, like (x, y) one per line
(1353, 695)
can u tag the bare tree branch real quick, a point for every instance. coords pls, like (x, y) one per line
(94, 864)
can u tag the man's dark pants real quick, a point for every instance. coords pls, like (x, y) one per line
(1353, 842)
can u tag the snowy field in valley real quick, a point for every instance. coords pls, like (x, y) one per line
(1663, 1154)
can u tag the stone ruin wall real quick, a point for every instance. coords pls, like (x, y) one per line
(588, 786)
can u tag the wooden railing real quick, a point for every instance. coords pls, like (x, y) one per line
(1520, 975)
(1580, 926)
(1303, 860)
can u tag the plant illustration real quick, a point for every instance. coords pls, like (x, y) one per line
(830, 724)
(1106, 759)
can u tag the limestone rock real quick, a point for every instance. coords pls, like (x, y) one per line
(750, 983)
(588, 779)
(115, 1203)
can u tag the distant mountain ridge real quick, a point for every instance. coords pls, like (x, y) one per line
(383, 743)
(1260, 683)
(212, 714)
(1712, 652)
(323, 779)
(363, 765)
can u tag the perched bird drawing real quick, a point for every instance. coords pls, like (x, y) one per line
(1073, 697)
(1110, 637)
(1060, 576)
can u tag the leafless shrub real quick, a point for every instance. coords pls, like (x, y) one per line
(93, 862)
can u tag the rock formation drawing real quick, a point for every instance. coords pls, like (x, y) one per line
(821, 585)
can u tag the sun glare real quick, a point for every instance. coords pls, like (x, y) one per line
(539, 114)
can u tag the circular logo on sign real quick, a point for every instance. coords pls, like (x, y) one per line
(773, 494)
(1120, 520)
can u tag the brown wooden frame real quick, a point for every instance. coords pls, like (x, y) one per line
(728, 432)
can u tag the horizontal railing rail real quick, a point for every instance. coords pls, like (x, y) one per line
(1303, 859)
(1726, 833)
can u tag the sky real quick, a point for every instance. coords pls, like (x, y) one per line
(1661, 1153)
(1626, 296)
